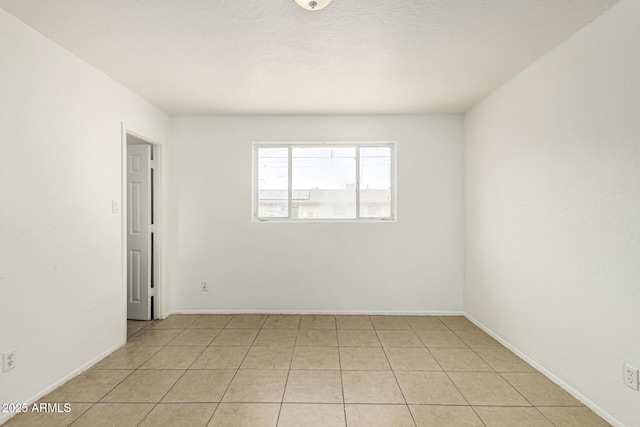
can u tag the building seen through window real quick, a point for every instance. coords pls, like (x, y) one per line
(324, 181)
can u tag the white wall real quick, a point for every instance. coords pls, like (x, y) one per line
(412, 265)
(61, 293)
(553, 211)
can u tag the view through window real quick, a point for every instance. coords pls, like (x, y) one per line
(324, 181)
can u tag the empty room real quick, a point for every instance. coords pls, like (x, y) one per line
(320, 213)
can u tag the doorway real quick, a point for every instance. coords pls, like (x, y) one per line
(142, 242)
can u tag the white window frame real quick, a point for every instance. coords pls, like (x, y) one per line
(290, 145)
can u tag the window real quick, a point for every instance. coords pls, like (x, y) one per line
(329, 181)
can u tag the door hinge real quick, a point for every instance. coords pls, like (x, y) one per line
(152, 228)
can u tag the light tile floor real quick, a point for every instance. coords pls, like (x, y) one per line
(288, 370)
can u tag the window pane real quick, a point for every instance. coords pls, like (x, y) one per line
(375, 182)
(324, 182)
(273, 182)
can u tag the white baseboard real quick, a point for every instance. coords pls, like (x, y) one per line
(33, 399)
(330, 312)
(575, 393)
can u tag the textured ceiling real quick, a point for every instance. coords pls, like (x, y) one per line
(273, 57)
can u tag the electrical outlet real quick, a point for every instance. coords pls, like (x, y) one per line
(9, 360)
(630, 376)
(204, 286)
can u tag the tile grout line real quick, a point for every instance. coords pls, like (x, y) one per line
(185, 371)
(234, 375)
(525, 398)
(344, 401)
(395, 377)
(243, 359)
(286, 382)
(452, 382)
(173, 385)
(86, 410)
(473, 349)
(461, 394)
(144, 328)
(502, 376)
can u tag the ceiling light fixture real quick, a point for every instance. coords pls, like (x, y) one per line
(313, 4)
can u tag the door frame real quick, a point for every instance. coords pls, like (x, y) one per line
(159, 303)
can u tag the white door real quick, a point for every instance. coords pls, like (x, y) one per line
(139, 232)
